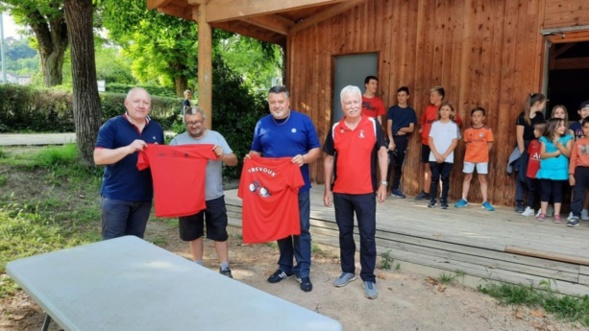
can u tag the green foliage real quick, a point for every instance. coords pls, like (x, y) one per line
(115, 68)
(163, 47)
(236, 111)
(386, 260)
(258, 62)
(24, 108)
(152, 89)
(571, 308)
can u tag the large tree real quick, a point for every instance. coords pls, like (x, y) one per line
(163, 47)
(86, 101)
(47, 21)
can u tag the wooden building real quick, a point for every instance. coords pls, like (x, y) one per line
(491, 53)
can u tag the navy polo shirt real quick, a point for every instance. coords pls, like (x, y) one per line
(122, 180)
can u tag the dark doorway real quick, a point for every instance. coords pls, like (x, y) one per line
(568, 76)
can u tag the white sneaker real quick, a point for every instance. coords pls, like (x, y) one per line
(528, 212)
(570, 217)
(585, 215)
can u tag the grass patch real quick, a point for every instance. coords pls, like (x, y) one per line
(447, 279)
(3, 179)
(48, 202)
(386, 260)
(565, 307)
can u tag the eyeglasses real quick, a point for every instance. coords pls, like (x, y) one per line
(195, 122)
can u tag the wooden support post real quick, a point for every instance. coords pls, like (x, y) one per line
(205, 64)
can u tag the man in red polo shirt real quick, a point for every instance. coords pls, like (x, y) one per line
(354, 146)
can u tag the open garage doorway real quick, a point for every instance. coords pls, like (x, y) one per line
(568, 71)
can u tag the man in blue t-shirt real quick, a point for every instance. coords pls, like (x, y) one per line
(401, 121)
(126, 193)
(288, 133)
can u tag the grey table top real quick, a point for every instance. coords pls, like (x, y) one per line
(130, 284)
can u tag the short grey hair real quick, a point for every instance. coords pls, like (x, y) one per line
(135, 89)
(350, 89)
(279, 89)
(195, 110)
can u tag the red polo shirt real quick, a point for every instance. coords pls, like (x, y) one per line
(356, 155)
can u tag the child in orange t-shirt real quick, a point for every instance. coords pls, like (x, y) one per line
(579, 173)
(479, 141)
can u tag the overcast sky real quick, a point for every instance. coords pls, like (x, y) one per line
(10, 29)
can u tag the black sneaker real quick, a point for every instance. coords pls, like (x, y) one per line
(305, 282)
(573, 221)
(422, 196)
(519, 207)
(431, 204)
(278, 276)
(226, 272)
(444, 205)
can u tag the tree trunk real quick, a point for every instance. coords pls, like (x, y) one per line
(180, 84)
(52, 38)
(86, 101)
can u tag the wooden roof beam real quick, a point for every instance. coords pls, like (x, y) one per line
(273, 23)
(325, 14)
(177, 11)
(225, 10)
(155, 4)
(570, 63)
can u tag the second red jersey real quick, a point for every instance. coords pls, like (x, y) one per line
(178, 174)
(269, 189)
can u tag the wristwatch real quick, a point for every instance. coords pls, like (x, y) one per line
(384, 182)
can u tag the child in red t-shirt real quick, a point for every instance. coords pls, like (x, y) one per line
(533, 166)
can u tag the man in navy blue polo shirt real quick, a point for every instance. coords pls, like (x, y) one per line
(126, 193)
(288, 133)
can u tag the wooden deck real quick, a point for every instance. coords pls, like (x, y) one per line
(499, 245)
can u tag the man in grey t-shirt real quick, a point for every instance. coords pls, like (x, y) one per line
(215, 214)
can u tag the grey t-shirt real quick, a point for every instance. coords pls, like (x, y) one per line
(214, 171)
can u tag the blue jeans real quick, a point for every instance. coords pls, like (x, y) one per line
(122, 218)
(298, 247)
(364, 205)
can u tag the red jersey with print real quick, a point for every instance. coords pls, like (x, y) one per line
(477, 144)
(534, 158)
(355, 153)
(178, 174)
(269, 188)
(430, 115)
(372, 107)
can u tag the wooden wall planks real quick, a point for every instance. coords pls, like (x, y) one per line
(487, 53)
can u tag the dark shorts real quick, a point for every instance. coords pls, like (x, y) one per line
(192, 227)
(425, 153)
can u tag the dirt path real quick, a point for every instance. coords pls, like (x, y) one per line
(406, 301)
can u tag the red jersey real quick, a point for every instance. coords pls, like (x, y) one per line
(178, 174)
(355, 154)
(534, 158)
(372, 107)
(269, 188)
(430, 115)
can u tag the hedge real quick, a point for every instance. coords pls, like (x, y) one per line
(28, 109)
